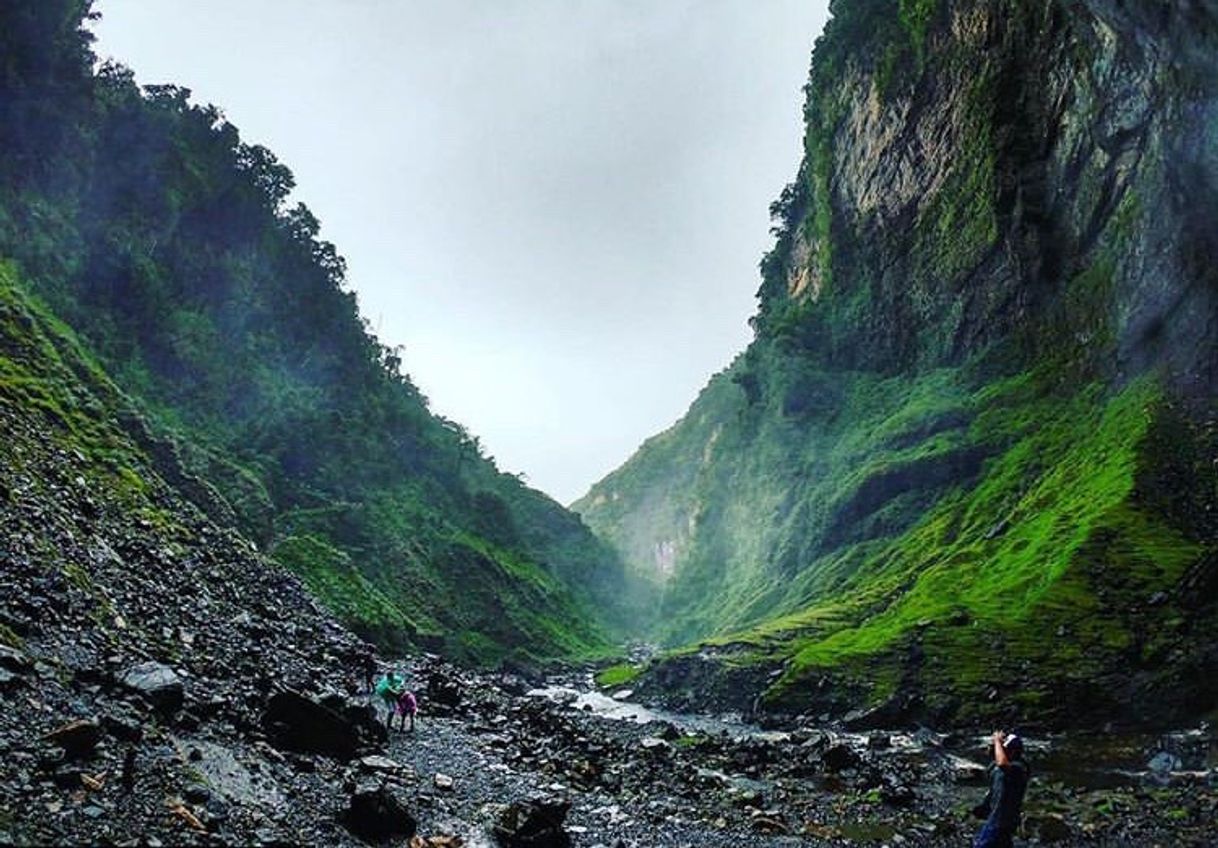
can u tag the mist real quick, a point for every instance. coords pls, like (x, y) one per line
(556, 208)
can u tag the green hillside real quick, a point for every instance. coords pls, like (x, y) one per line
(968, 465)
(171, 247)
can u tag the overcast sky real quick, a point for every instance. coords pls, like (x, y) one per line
(556, 206)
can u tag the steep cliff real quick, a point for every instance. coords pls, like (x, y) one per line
(967, 466)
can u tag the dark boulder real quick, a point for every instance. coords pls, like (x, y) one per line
(900, 710)
(156, 683)
(536, 823)
(1049, 828)
(14, 660)
(377, 811)
(295, 722)
(839, 757)
(77, 738)
(443, 689)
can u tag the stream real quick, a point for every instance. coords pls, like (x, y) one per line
(1083, 760)
(639, 776)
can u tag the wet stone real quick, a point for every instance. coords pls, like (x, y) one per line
(156, 683)
(375, 762)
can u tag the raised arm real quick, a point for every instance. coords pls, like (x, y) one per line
(1000, 753)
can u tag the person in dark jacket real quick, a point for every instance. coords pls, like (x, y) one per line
(1003, 803)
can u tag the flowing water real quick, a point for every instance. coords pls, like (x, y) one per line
(1090, 760)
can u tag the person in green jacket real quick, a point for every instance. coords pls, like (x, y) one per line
(389, 689)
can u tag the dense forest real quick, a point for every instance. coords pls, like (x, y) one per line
(172, 248)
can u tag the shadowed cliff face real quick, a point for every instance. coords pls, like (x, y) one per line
(979, 408)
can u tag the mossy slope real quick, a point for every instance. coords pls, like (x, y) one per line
(967, 466)
(168, 244)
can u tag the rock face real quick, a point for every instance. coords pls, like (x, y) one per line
(523, 574)
(983, 381)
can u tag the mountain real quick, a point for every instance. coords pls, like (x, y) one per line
(169, 246)
(968, 467)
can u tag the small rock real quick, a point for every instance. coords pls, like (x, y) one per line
(125, 728)
(443, 781)
(14, 660)
(375, 762)
(968, 772)
(766, 824)
(879, 741)
(196, 793)
(1164, 762)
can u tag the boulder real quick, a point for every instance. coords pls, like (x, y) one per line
(156, 683)
(444, 689)
(535, 823)
(1049, 828)
(14, 660)
(896, 711)
(77, 738)
(377, 811)
(295, 722)
(654, 745)
(839, 757)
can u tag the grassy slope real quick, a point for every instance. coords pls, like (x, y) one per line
(169, 245)
(1004, 528)
(1058, 565)
(483, 602)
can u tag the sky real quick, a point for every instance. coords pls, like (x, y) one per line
(556, 207)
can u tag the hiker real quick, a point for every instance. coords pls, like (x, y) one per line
(389, 688)
(407, 705)
(1002, 804)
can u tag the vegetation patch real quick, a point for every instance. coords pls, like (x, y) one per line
(617, 675)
